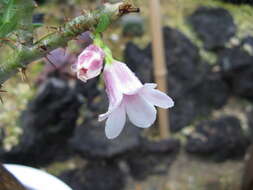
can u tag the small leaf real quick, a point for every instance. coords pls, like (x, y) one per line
(104, 22)
(37, 25)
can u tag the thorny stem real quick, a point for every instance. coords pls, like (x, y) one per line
(26, 54)
(26, 28)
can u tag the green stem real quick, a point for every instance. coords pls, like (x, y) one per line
(108, 53)
(26, 54)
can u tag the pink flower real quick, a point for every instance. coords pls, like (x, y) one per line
(89, 63)
(128, 96)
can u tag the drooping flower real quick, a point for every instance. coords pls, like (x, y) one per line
(89, 63)
(128, 96)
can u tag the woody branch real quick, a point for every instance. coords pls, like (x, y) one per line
(25, 54)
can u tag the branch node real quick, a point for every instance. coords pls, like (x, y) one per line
(128, 8)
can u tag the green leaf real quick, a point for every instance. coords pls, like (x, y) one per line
(37, 25)
(103, 23)
(15, 14)
(8, 20)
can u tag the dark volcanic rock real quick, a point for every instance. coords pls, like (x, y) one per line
(194, 87)
(250, 114)
(143, 157)
(38, 18)
(138, 62)
(90, 141)
(185, 71)
(185, 68)
(40, 1)
(95, 176)
(211, 93)
(88, 90)
(182, 114)
(48, 123)
(218, 139)
(250, 123)
(249, 2)
(191, 83)
(247, 41)
(2, 135)
(152, 158)
(215, 26)
(237, 69)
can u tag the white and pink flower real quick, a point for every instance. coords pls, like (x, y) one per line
(89, 63)
(128, 96)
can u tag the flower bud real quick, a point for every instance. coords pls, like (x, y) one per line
(89, 63)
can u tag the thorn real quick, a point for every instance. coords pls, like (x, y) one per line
(57, 29)
(1, 86)
(50, 62)
(43, 47)
(66, 19)
(24, 77)
(2, 91)
(60, 29)
(1, 100)
(52, 27)
(78, 26)
(84, 12)
(8, 40)
(47, 27)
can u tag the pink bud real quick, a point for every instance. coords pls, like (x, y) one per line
(89, 63)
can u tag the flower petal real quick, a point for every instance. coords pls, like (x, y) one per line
(140, 112)
(112, 89)
(104, 116)
(115, 122)
(113, 93)
(157, 98)
(129, 83)
(96, 49)
(150, 85)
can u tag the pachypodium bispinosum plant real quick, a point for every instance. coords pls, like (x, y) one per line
(127, 95)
